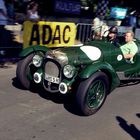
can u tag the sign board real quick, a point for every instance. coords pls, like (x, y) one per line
(118, 13)
(50, 34)
(67, 6)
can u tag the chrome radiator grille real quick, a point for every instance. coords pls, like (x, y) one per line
(51, 69)
(52, 76)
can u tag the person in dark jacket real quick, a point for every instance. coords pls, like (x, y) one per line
(112, 36)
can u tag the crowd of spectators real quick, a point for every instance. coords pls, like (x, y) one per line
(9, 16)
(14, 11)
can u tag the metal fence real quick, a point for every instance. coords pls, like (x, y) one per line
(84, 32)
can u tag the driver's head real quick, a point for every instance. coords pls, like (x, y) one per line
(129, 36)
(113, 31)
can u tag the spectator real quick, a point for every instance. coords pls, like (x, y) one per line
(3, 13)
(10, 9)
(3, 22)
(130, 48)
(32, 11)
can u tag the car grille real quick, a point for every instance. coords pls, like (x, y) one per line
(52, 76)
(52, 69)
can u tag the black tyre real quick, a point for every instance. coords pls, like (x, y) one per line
(23, 70)
(92, 93)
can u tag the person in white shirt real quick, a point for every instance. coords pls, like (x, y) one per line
(99, 28)
(32, 12)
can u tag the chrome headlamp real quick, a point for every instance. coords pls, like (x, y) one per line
(69, 71)
(37, 60)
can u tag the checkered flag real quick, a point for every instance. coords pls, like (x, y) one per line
(102, 8)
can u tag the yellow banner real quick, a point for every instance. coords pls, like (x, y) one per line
(50, 34)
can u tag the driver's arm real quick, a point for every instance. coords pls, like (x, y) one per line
(129, 50)
(128, 56)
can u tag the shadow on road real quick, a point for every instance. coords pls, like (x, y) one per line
(138, 115)
(67, 100)
(17, 84)
(129, 128)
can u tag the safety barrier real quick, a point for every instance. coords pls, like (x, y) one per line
(84, 32)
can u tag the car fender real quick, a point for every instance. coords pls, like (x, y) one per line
(32, 49)
(106, 68)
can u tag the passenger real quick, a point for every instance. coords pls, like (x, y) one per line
(130, 48)
(104, 29)
(112, 36)
(98, 29)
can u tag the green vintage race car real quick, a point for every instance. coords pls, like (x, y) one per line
(90, 71)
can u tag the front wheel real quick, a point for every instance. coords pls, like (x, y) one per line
(92, 93)
(23, 70)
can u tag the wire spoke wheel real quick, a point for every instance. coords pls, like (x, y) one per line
(96, 94)
(92, 93)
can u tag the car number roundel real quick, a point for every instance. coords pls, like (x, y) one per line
(92, 52)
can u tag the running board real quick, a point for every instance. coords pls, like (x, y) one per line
(122, 76)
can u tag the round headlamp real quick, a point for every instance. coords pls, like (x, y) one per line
(37, 60)
(68, 71)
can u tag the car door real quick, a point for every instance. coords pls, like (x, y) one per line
(117, 60)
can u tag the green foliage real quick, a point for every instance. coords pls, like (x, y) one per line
(88, 2)
(92, 4)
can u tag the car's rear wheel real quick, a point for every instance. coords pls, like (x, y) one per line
(23, 70)
(92, 93)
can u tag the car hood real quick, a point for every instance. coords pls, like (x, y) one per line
(76, 55)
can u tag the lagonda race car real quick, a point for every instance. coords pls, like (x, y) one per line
(90, 72)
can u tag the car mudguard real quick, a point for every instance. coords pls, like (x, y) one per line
(104, 67)
(32, 49)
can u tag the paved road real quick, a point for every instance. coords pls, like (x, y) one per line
(26, 115)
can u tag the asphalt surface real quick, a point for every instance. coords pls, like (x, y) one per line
(30, 115)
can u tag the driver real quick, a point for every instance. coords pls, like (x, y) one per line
(112, 36)
(130, 48)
